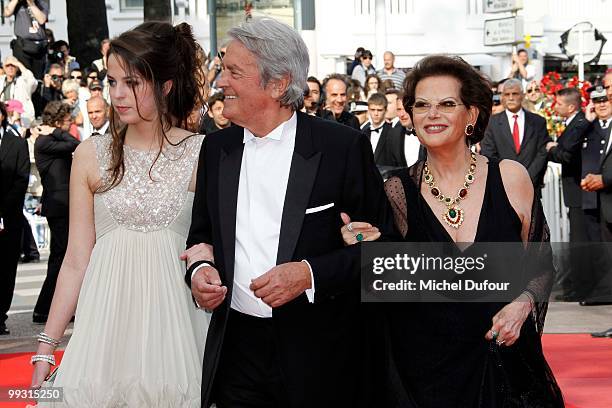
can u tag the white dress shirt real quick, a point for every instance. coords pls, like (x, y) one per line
(264, 175)
(412, 148)
(521, 123)
(374, 133)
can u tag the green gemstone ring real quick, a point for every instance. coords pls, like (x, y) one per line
(359, 237)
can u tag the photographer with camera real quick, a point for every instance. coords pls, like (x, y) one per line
(61, 55)
(30, 46)
(52, 84)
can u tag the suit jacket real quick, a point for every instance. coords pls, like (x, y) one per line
(53, 155)
(319, 344)
(593, 146)
(14, 177)
(568, 152)
(390, 147)
(605, 194)
(499, 144)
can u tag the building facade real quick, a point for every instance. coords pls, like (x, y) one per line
(410, 28)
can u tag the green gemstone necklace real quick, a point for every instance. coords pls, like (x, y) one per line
(453, 215)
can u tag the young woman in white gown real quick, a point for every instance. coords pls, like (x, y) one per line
(138, 338)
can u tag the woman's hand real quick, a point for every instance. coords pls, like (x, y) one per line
(41, 372)
(507, 323)
(352, 231)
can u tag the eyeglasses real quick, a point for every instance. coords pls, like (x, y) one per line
(422, 107)
(600, 100)
(368, 58)
(532, 90)
(92, 77)
(76, 77)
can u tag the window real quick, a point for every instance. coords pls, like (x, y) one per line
(132, 4)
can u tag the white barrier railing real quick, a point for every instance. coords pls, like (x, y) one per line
(554, 207)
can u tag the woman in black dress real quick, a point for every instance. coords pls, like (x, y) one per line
(464, 354)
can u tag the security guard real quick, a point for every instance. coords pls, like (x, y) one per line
(595, 151)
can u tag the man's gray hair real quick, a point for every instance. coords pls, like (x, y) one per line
(280, 52)
(513, 83)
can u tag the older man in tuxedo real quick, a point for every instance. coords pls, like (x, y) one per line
(518, 134)
(284, 290)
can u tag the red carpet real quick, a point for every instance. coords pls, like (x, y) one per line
(16, 372)
(583, 368)
(582, 365)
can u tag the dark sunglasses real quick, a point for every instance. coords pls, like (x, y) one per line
(76, 77)
(532, 90)
(93, 77)
(368, 58)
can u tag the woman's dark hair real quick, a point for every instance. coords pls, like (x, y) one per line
(3, 111)
(367, 80)
(55, 112)
(475, 88)
(314, 80)
(158, 52)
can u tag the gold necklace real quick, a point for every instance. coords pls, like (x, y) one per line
(453, 215)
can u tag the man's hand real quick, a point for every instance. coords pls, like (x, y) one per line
(550, 145)
(282, 284)
(47, 81)
(592, 182)
(206, 288)
(589, 112)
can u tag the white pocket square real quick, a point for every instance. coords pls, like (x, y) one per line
(319, 208)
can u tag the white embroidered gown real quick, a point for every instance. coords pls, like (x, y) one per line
(138, 339)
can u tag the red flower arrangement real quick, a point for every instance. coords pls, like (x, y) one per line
(549, 85)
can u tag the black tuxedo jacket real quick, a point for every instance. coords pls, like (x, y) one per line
(568, 152)
(319, 343)
(53, 156)
(390, 147)
(605, 161)
(499, 144)
(14, 177)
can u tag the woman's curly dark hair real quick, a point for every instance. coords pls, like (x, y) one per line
(475, 88)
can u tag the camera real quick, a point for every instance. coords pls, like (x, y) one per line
(496, 99)
(55, 56)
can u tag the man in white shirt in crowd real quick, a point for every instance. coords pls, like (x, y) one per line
(521, 68)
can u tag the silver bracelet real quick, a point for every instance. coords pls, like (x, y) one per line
(45, 338)
(48, 358)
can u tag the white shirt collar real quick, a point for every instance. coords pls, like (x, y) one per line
(569, 119)
(103, 129)
(520, 114)
(275, 134)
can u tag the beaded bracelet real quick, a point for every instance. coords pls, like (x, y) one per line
(45, 338)
(48, 358)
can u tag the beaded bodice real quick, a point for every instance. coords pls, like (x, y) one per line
(148, 198)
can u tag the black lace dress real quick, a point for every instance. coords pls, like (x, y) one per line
(437, 353)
